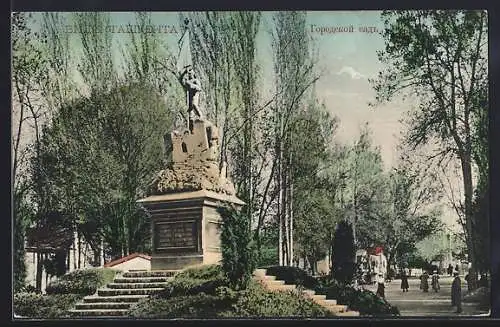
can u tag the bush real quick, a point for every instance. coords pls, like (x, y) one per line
(83, 282)
(225, 302)
(32, 305)
(292, 275)
(255, 301)
(29, 289)
(205, 272)
(238, 251)
(187, 286)
(194, 306)
(344, 254)
(364, 301)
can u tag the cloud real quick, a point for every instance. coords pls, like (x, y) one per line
(348, 70)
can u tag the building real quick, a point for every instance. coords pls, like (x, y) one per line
(53, 248)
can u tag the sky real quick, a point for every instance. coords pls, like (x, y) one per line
(347, 43)
(347, 58)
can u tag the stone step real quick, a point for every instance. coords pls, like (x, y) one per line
(136, 285)
(330, 302)
(132, 291)
(336, 308)
(318, 297)
(283, 288)
(103, 305)
(348, 314)
(308, 293)
(273, 282)
(98, 312)
(265, 277)
(151, 273)
(142, 279)
(116, 298)
(259, 272)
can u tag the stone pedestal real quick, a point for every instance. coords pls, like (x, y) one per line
(185, 228)
(183, 201)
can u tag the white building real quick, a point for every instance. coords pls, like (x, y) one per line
(43, 243)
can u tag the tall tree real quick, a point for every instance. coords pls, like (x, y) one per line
(246, 26)
(440, 56)
(362, 198)
(96, 163)
(97, 67)
(59, 85)
(344, 253)
(314, 209)
(293, 66)
(28, 110)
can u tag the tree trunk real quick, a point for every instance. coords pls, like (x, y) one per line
(79, 250)
(291, 221)
(39, 268)
(280, 201)
(469, 216)
(284, 210)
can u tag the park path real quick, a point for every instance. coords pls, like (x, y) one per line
(417, 303)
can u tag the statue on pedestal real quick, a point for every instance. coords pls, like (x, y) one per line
(188, 79)
(193, 88)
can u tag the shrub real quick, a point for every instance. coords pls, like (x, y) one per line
(238, 252)
(205, 272)
(187, 286)
(364, 301)
(258, 302)
(254, 301)
(343, 253)
(193, 306)
(84, 282)
(292, 275)
(32, 305)
(29, 289)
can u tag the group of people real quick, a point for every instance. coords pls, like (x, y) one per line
(456, 286)
(424, 281)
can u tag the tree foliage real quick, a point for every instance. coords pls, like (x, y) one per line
(343, 265)
(238, 251)
(98, 156)
(440, 56)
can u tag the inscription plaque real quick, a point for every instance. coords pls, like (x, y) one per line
(176, 235)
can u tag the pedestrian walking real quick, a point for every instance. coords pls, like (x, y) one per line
(456, 292)
(435, 281)
(424, 282)
(450, 270)
(404, 280)
(381, 286)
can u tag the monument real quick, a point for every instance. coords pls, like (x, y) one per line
(184, 197)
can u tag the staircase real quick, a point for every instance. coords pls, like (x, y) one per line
(270, 283)
(116, 298)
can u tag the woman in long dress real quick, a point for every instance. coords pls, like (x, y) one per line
(424, 282)
(404, 281)
(381, 286)
(456, 293)
(435, 281)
